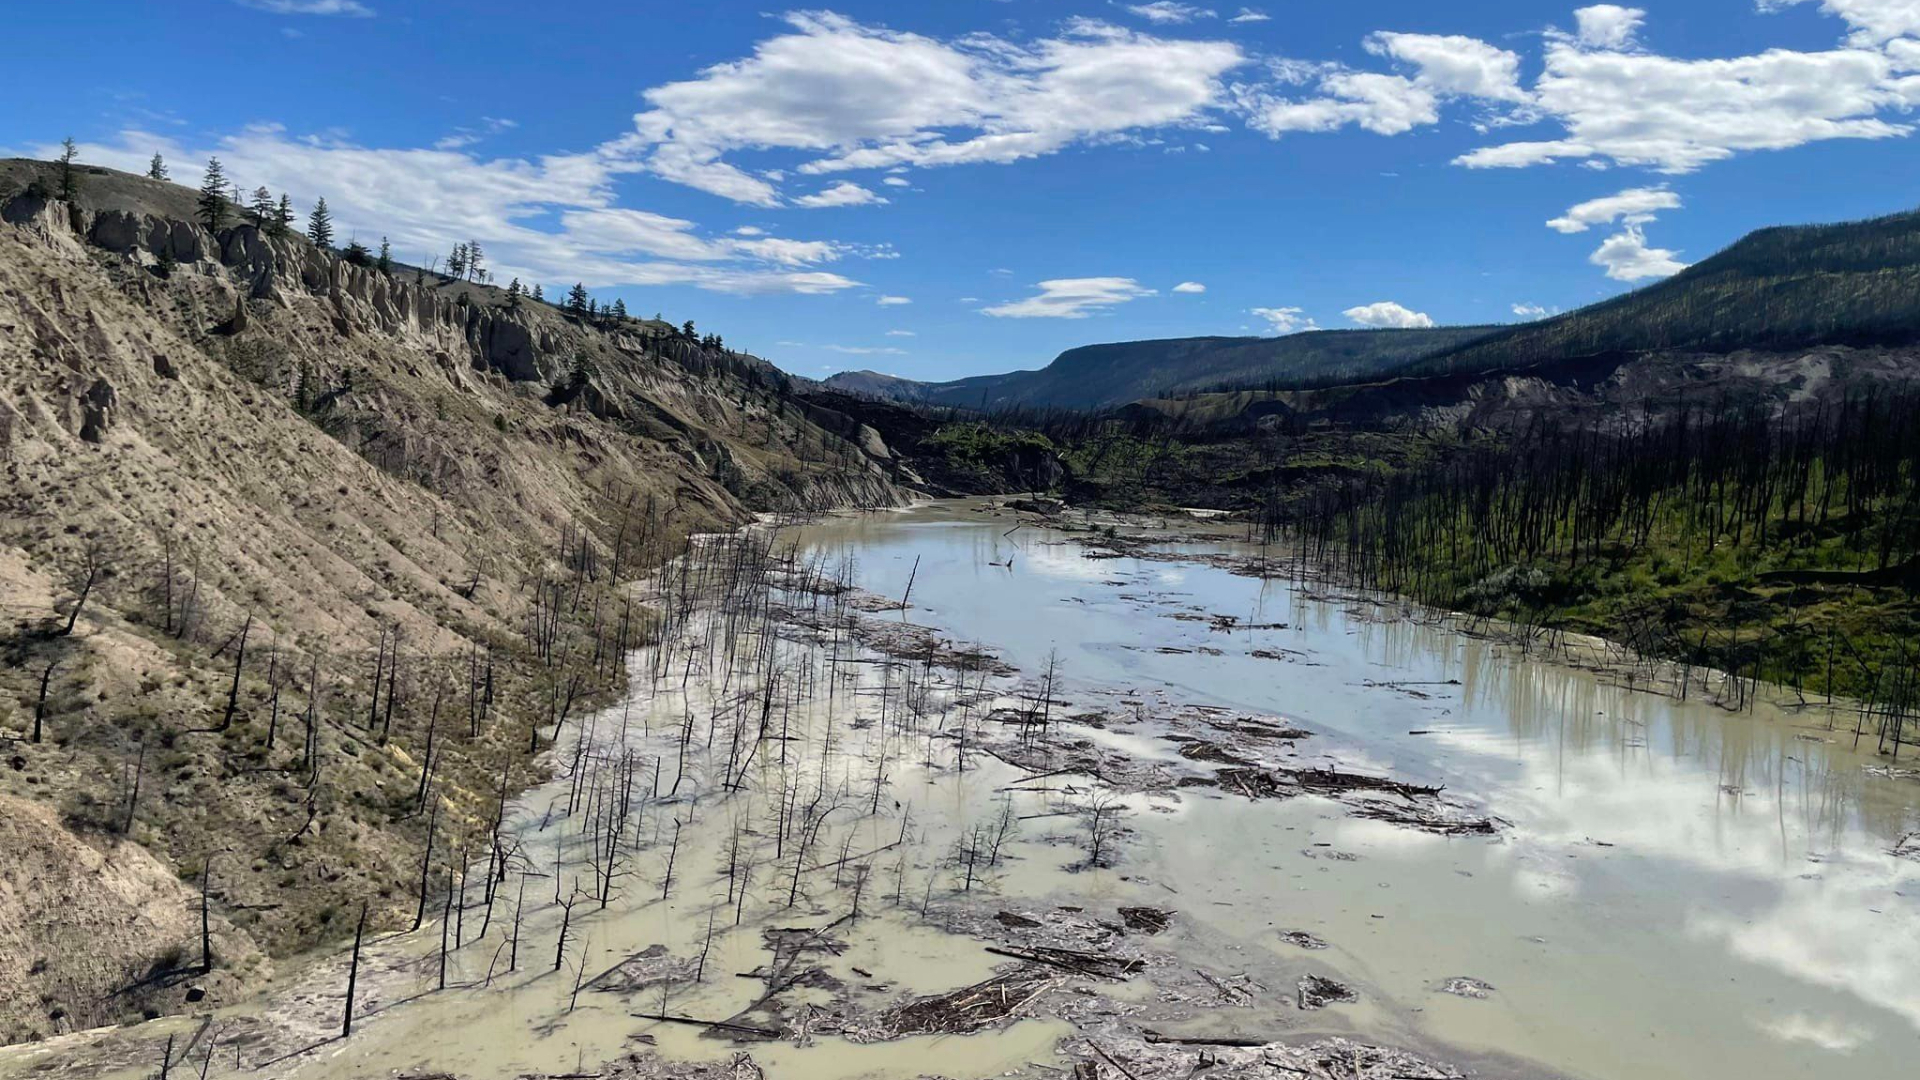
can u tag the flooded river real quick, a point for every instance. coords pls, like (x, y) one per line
(1672, 890)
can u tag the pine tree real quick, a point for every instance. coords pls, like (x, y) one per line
(457, 263)
(538, 294)
(357, 253)
(69, 176)
(262, 211)
(476, 260)
(282, 220)
(513, 295)
(320, 226)
(385, 262)
(688, 330)
(157, 168)
(577, 299)
(213, 197)
(619, 309)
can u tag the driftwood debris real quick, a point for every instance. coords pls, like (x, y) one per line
(970, 1008)
(1145, 919)
(1080, 963)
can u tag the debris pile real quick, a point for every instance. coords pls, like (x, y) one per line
(1318, 992)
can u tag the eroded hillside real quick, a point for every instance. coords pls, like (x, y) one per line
(301, 561)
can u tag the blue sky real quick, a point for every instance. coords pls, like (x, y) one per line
(938, 190)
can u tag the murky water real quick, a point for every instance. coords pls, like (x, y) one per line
(1684, 892)
(1680, 892)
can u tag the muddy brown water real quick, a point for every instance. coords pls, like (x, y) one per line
(1677, 891)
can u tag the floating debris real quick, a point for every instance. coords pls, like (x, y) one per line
(1318, 992)
(1466, 987)
(1302, 939)
(963, 1011)
(1145, 919)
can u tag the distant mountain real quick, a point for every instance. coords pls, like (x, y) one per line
(1854, 283)
(1105, 376)
(1785, 288)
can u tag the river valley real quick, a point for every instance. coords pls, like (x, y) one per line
(1203, 816)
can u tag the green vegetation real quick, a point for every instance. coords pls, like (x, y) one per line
(980, 456)
(213, 203)
(1780, 548)
(320, 226)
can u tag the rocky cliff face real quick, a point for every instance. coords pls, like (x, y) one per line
(304, 519)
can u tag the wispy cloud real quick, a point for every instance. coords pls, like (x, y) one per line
(1071, 298)
(1169, 11)
(1285, 320)
(350, 8)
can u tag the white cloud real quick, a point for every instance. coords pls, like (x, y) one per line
(1441, 67)
(1626, 257)
(1071, 298)
(901, 333)
(310, 7)
(1608, 26)
(1189, 287)
(1676, 115)
(1612, 102)
(750, 230)
(1874, 21)
(790, 252)
(1532, 312)
(894, 301)
(1169, 11)
(1453, 64)
(426, 200)
(844, 193)
(845, 96)
(1386, 314)
(896, 181)
(1249, 15)
(1285, 320)
(1635, 206)
(1382, 104)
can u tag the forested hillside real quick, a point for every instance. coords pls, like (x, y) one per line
(1778, 546)
(1854, 283)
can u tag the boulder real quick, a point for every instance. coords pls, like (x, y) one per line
(96, 410)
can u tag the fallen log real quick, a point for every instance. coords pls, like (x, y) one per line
(724, 1025)
(1197, 1040)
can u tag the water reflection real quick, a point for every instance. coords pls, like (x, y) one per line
(1677, 878)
